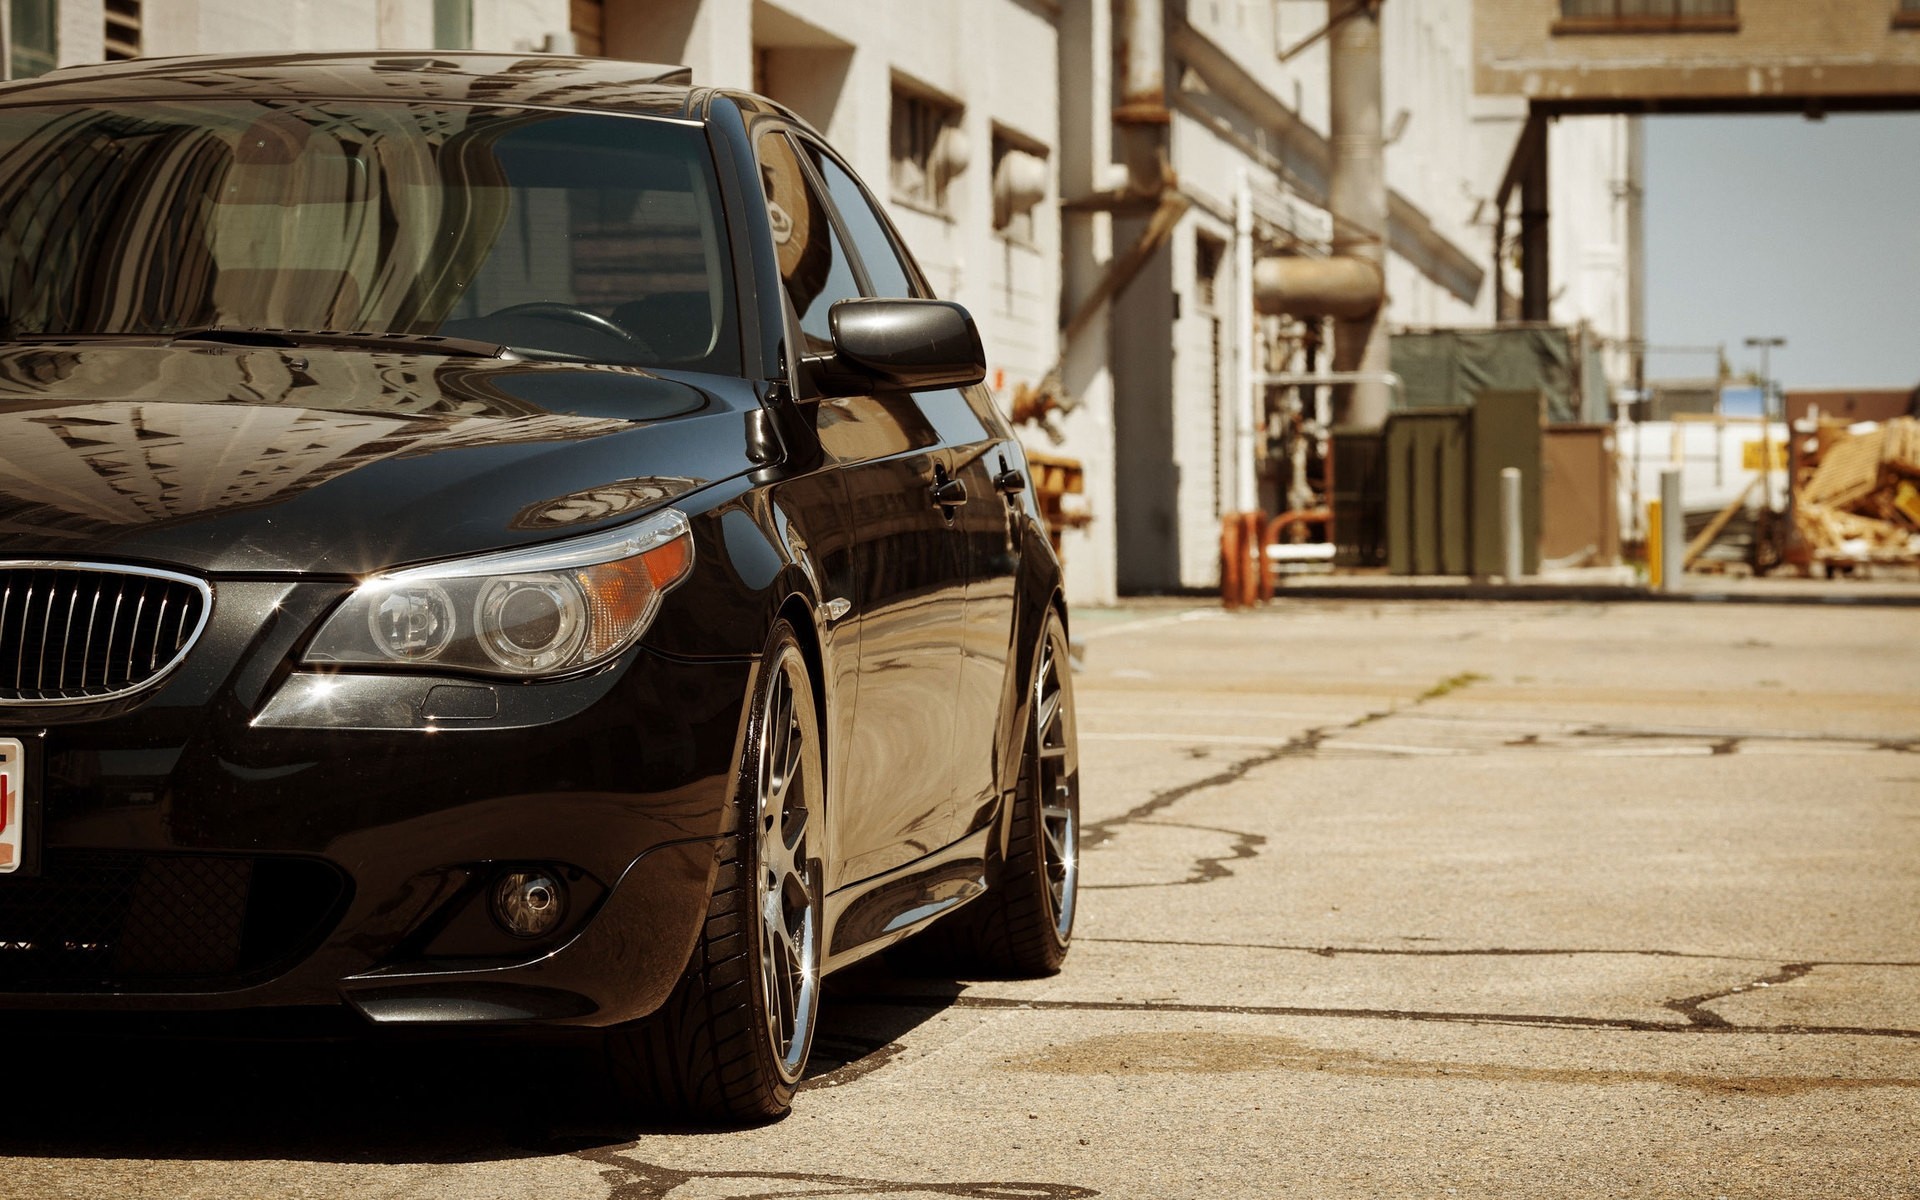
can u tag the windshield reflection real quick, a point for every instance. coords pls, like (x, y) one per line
(585, 236)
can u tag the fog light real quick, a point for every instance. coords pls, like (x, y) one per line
(529, 903)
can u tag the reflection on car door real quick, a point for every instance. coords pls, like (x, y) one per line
(979, 458)
(911, 576)
(975, 454)
(908, 561)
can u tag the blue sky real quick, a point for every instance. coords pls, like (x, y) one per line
(1784, 226)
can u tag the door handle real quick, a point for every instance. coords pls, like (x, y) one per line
(1010, 482)
(949, 492)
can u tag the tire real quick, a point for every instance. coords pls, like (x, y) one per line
(1023, 926)
(731, 1041)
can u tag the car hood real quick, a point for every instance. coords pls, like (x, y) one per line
(220, 459)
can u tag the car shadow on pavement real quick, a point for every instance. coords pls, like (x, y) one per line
(87, 1090)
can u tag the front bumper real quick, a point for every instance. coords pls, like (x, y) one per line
(249, 836)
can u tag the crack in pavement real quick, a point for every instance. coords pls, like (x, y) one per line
(1095, 833)
(858, 1057)
(631, 1178)
(1247, 845)
(1691, 1007)
(1533, 1020)
(1487, 952)
(1729, 741)
(1205, 869)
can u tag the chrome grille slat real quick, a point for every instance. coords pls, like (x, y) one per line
(63, 640)
(66, 638)
(26, 611)
(133, 632)
(93, 611)
(46, 621)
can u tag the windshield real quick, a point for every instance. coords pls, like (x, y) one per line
(571, 235)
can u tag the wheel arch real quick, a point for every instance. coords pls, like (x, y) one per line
(801, 614)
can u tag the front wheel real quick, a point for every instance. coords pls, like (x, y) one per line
(732, 1040)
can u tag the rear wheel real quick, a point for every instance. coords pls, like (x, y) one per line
(732, 1040)
(1024, 924)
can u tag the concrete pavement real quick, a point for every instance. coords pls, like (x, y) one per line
(1424, 899)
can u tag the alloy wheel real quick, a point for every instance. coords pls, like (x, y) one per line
(786, 887)
(1055, 781)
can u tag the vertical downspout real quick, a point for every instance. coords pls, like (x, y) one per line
(1535, 296)
(1358, 197)
(1247, 386)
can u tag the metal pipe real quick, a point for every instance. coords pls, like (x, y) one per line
(1357, 194)
(1512, 560)
(1673, 538)
(1246, 391)
(1142, 118)
(1297, 516)
(1386, 380)
(1318, 287)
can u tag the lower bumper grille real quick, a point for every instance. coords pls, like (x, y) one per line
(97, 920)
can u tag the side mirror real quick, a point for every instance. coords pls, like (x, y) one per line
(908, 344)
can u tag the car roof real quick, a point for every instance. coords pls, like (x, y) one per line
(459, 76)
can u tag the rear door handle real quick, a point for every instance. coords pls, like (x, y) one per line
(1010, 482)
(949, 492)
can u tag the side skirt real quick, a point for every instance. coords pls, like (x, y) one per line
(866, 917)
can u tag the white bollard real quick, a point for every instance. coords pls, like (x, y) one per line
(1513, 558)
(1673, 530)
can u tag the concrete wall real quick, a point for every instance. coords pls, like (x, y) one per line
(1428, 75)
(1778, 50)
(175, 27)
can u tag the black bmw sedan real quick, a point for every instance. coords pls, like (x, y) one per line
(501, 541)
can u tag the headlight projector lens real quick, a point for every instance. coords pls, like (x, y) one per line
(529, 904)
(530, 622)
(412, 623)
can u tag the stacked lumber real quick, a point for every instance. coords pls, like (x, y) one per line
(1857, 498)
(1060, 487)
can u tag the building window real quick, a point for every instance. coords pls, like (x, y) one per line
(1208, 254)
(122, 30)
(1648, 16)
(1020, 176)
(34, 43)
(1907, 16)
(928, 149)
(453, 24)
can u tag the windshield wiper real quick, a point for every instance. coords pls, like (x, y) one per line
(290, 339)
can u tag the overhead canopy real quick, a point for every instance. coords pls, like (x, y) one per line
(1448, 368)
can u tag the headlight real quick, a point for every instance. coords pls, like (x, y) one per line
(545, 610)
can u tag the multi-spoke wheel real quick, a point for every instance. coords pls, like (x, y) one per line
(1023, 925)
(732, 1041)
(1056, 784)
(786, 881)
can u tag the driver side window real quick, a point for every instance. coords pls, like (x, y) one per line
(814, 266)
(879, 253)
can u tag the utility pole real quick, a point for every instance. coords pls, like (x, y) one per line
(1766, 344)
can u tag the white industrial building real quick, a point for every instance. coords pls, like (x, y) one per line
(989, 126)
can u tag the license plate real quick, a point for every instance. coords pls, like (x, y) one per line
(13, 804)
